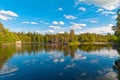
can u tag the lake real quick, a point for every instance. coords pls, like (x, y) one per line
(50, 62)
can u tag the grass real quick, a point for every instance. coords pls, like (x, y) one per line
(74, 43)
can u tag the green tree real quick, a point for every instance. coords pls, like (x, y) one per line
(46, 38)
(1, 27)
(72, 36)
(117, 27)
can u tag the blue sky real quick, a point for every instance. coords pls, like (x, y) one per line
(58, 16)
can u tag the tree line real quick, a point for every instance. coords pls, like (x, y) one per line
(65, 38)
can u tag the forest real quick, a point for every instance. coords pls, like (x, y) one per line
(7, 37)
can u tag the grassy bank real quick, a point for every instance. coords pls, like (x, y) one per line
(90, 43)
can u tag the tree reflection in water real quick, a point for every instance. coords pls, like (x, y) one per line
(7, 52)
(116, 66)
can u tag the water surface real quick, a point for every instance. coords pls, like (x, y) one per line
(40, 62)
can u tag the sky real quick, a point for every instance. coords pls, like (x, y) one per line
(59, 16)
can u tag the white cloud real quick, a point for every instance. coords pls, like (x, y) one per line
(100, 30)
(108, 53)
(51, 31)
(82, 9)
(62, 60)
(27, 22)
(61, 32)
(55, 22)
(58, 23)
(8, 69)
(100, 10)
(109, 74)
(106, 13)
(77, 25)
(71, 65)
(79, 56)
(57, 60)
(70, 17)
(54, 27)
(106, 4)
(61, 22)
(60, 9)
(2, 17)
(7, 15)
(33, 23)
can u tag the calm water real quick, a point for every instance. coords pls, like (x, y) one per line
(38, 62)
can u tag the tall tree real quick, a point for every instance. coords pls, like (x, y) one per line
(72, 36)
(117, 27)
(66, 38)
(1, 27)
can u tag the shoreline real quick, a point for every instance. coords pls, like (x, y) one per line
(56, 44)
(75, 43)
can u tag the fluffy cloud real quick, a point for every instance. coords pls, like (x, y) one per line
(61, 22)
(61, 32)
(54, 27)
(108, 53)
(70, 17)
(106, 4)
(58, 23)
(55, 22)
(77, 25)
(82, 9)
(109, 74)
(3, 17)
(8, 69)
(100, 30)
(51, 31)
(7, 15)
(27, 22)
(60, 9)
(100, 10)
(71, 65)
(79, 56)
(33, 23)
(106, 13)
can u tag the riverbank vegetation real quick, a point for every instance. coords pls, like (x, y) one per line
(65, 38)
(7, 37)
